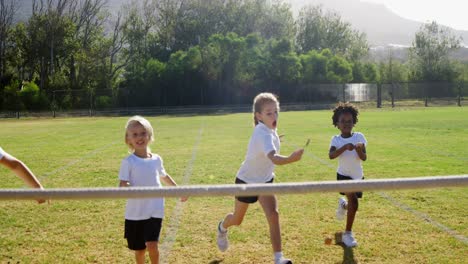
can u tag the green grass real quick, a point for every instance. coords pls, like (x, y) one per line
(86, 152)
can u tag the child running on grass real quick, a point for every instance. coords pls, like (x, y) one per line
(143, 217)
(350, 147)
(21, 170)
(258, 167)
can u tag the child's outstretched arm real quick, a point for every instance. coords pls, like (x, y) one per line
(22, 171)
(334, 152)
(278, 159)
(169, 181)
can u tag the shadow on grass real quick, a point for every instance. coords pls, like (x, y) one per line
(216, 261)
(348, 254)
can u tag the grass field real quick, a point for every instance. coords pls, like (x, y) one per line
(409, 226)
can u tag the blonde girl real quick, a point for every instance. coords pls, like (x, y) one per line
(143, 217)
(258, 167)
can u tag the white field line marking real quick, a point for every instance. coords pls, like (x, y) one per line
(425, 217)
(73, 162)
(173, 225)
(400, 205)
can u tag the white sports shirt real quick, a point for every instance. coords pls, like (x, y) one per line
(257, 167)
(349, 162)
(143, 172)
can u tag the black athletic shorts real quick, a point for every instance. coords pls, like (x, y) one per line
(138, 232)
(248, 199)
(340, 177)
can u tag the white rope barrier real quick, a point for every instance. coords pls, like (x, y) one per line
(237, 189)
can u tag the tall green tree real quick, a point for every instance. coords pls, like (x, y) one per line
(50, 29)
(223, 62)
(84, 61)
(114, 60)
(182, 71)
(392, 70)
(320, 30)
(339, 70)
(429, 54)
(325, 67)
(252, 75)
(314, 67)
(285, 66)
(166, 22)
(271, 19)
(197, 20)
(137, 26)
(7, 12)
(365, 72)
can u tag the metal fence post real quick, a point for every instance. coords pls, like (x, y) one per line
(425, 95)
(459, 94)
(344, 94)
(53, 103)
(393, 95)
(379, 95)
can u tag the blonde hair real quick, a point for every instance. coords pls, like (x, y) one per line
(259, 102)
(139, 120)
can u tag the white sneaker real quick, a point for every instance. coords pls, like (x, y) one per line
(283, 260)
(222, 239)
(348, 239)
(342, 208)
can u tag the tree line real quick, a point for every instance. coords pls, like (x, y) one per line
(194, 52)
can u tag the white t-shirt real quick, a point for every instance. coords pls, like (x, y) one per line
(1, 153)
(143, 172)
(349, 162)
(257, 167)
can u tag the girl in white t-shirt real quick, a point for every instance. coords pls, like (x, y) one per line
(350, 147)
(143, 217)
(258, 166)
(21, 170)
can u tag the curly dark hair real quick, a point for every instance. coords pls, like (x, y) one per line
(342, 108)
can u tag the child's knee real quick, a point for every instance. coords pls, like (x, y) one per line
(152, 246)
(272, 215)
(139, 253)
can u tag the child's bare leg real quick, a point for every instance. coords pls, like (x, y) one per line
(270, 207)
(353, 205)
(140, 256)
(237, 216)
(153, 251)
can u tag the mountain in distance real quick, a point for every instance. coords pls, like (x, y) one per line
(385, 30)
(382, 26)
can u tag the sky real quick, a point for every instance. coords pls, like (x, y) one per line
(452, 13)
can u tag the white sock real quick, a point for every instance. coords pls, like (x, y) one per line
(221, 228)
(278, 255)
(345, 205)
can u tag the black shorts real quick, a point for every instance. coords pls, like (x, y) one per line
(138, 232)
(248, 199)
(340, 177)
